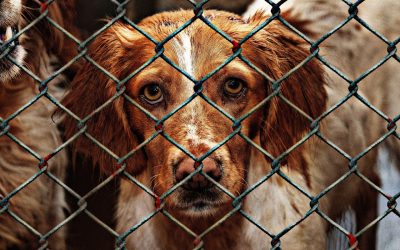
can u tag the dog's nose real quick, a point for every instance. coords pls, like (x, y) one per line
(198, 182)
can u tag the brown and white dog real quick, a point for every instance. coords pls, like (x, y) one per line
(42, 49)
(198, 127)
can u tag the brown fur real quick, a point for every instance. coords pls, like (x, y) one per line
(121, 50)
(276, 127)
(41, 203)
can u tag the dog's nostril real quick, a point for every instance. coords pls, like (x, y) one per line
(198, 182)
(212, 169)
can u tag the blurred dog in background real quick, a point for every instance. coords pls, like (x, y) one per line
(41, 49)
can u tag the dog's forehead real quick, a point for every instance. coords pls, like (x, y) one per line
(167, 24)
(176, 19)
(198, 48)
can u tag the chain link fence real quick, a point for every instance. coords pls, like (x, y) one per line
(81, 207)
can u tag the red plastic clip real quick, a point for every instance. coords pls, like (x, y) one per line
(353, 241)
(157, 202)
(43, 7)
(45, 161)
(236, 46)
(391, 124)
(196, 164)
(197, 241)
(160, 127)
(117, 168)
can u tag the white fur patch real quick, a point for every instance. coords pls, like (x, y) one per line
(192, 133)
(336, 239)
(194, 126)
(12, 14)
(13, 71)
(183, 47)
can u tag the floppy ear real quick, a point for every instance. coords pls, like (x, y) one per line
(64, 14)
(277, 52)
(90, 89)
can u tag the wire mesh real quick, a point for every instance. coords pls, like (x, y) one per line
(237, 201)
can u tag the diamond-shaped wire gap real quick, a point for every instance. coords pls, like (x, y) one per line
(326, 28)
(371, 144)
(43, 91)
(276, 162)
(322, 39)
(364, 20)
(105, 71)
(342, 153)
(391, 203)
(159, 205)
(81, 122)
(29, 150)
(284, 229)
(15, 207)
(42, 179)
(291, 183)
(20, 225)
(92, 212)
(354, 83)
(22, 31)
(168, 193)
(337, 230)
(353, 164)
(148, 215)
(349, 179)
(35, 131)
(361, 71)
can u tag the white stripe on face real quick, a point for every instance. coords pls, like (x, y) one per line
(183, 48)
(184, 51)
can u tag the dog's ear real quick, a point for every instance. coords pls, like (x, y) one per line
(64, 14)
(277, 51)
(92, 88)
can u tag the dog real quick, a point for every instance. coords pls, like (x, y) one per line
(239, 163)
(42, 49)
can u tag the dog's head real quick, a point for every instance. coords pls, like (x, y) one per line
(197, 127)
(16, 15)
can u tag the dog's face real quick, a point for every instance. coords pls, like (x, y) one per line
(10, 16)
(197, 127)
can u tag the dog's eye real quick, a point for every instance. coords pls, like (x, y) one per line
(152, 94)
(234, 87)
